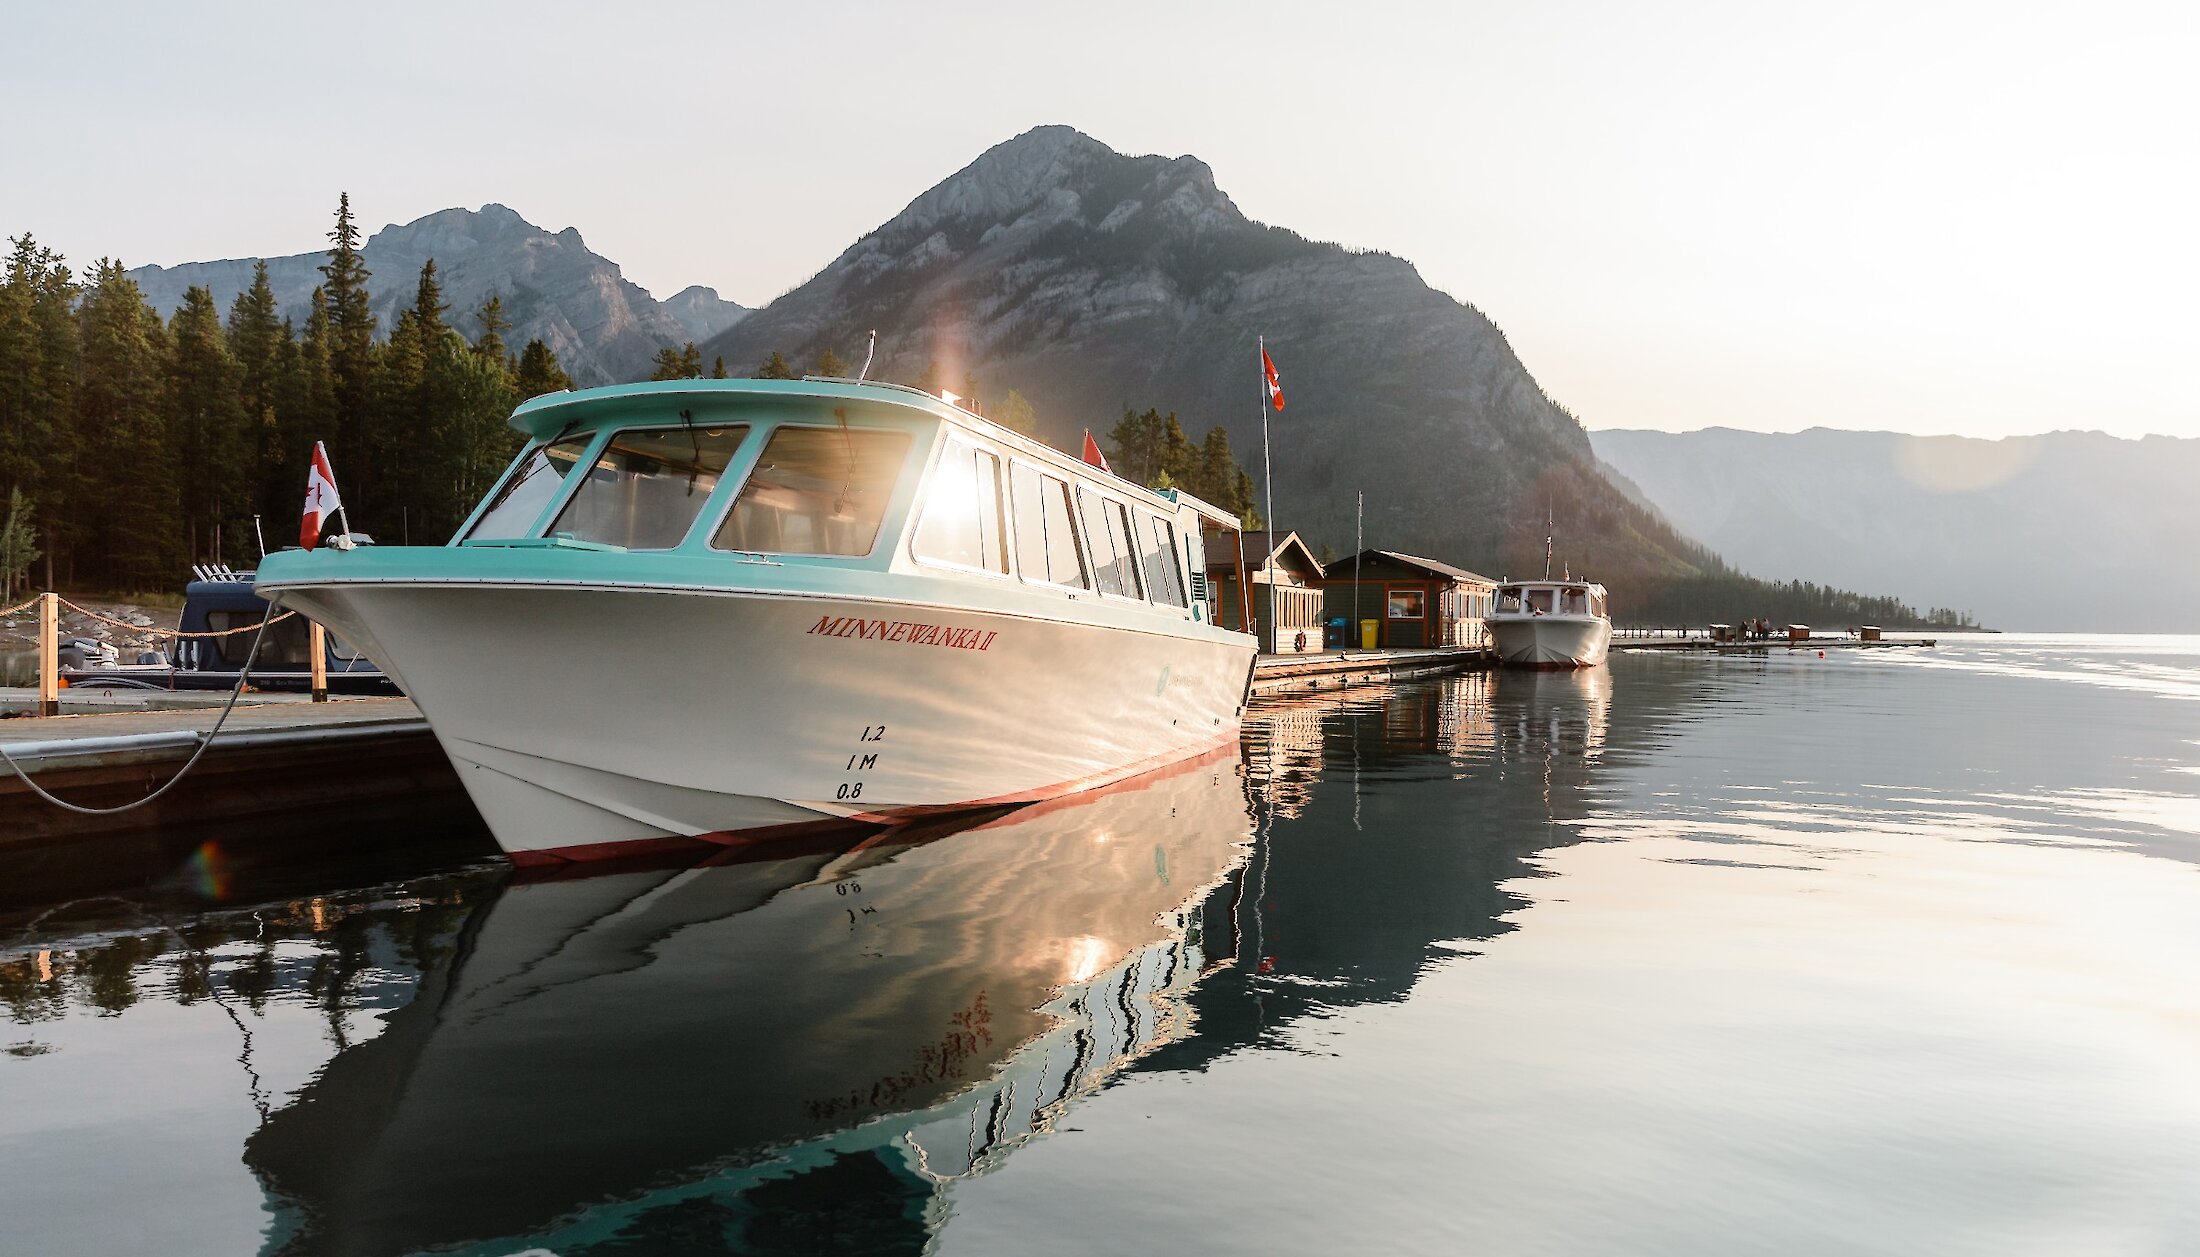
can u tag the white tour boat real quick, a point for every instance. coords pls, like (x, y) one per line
(725, 609)
(1551, 624)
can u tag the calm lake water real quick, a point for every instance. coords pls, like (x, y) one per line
(1886, 952)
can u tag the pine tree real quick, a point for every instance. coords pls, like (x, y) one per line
(775, 368)
(490, 344)
(258, 338)
(1016, 413)
(831, 364)
(132, 510)
(351, 349)
(18, 544)
(685, 363)
(39, 369)
(208, 423)
(718, 368)
(539, 372)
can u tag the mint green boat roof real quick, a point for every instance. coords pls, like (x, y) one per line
(582, 410)
(585, 410)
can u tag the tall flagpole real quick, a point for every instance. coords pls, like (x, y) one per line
(1359, 517)
(1268, 482)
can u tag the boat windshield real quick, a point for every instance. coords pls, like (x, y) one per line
(1540, 601)
(1575, 602)
(816, 491)
(648, 485)
(536, 480)
(1508, 600)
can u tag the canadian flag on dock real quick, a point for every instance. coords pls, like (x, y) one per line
(321, 498)
(1093, 454)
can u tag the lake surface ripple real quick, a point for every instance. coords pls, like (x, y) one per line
(1884, 952)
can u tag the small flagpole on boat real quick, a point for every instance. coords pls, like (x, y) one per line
(1268, 481)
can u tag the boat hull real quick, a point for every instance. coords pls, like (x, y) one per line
(599, 721)
(1551, 641)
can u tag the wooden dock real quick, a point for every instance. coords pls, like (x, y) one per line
(271, 759)
(1292, 674)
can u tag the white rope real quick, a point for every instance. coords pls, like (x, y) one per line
(205, 740)
(152, 630)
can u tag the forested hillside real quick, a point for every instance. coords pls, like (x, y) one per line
(135, 445)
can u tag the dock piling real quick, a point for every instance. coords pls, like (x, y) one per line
(49, 654)
(317, 643)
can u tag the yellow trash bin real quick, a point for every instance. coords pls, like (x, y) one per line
(1368, 630)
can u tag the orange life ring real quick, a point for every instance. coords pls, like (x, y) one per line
(1299, 643)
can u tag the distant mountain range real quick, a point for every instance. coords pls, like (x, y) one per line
(604, 328)
(2071, 531)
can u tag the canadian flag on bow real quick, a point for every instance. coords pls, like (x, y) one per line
(1275, 382)
(1093, 454)
(321, 498)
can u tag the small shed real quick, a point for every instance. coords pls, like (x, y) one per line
(1297, 597)
(1415, 602)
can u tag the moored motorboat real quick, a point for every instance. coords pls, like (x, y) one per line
(1551, 624)
(713, 608)
(218, 627)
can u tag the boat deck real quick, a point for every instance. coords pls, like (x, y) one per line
(1290, 674)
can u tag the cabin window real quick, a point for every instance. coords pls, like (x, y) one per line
(534, 480)
(816, 491)
(1575, 602)
(1046, 536)
(962, 510)
(1408, 604)
(1540, 601)
(287, 643)
(647, 486)
(1157, 548)
(1107, 530)
(1508, 601)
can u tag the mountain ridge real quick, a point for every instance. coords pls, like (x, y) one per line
(604, 327)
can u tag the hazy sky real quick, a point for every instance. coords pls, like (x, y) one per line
(1980, 219)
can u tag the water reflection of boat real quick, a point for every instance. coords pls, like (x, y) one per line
(717, 1050)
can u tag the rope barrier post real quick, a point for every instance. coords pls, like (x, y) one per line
(317, 642)
(49, 654)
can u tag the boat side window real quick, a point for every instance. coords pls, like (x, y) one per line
(648, 485)
(1539, 601)
(962, 510)
(534, 479)
(816, 491)
(1111, 557)
(1508, 601)
(1596, 605)
(1046, 537)
(1576, 602)
(1157, 548)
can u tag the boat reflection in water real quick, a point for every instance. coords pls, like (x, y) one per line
(766, 1051)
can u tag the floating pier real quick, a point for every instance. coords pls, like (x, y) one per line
(1291, 674)
(293, 758)
(1706, 645)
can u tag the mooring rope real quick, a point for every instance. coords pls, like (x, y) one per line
(174, 632)
(21, 606)
(206, 740)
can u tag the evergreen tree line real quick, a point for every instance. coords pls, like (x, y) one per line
(131, 447)
(1153, 450)
(1729, 597)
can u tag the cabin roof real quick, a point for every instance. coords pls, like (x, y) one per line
(1259, 545)
(1433, 567)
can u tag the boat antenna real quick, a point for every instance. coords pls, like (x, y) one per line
(1550, 532)
(865, 373)
(259, 536)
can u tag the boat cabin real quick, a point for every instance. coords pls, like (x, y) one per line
(826, 483)
(1551, 597)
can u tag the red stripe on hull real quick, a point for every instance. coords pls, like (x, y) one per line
(550, 860)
